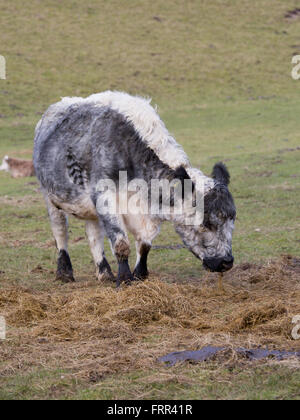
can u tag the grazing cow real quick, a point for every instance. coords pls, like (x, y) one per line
(80, 142)
(18, 168)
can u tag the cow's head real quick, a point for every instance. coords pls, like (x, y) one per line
(212, 241)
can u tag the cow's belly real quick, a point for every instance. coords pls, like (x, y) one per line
(82, 207)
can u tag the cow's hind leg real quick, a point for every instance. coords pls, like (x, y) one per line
(95, 234)
(59, 225)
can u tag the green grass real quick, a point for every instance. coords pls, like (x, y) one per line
(183, 382)
(198, 383)
(220, 73)
(38, 384)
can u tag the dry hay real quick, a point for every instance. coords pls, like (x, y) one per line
(95, 330)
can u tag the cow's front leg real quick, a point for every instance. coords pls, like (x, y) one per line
(59, 225)
(142, 251)
(121, 249)
(144, 230)
(95, 233)
(120, 246)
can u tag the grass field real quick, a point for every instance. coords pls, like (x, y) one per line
(220, 72)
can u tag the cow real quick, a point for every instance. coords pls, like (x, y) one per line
(82, 141)
(18, 168)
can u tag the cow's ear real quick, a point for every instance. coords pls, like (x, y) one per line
(220, 173)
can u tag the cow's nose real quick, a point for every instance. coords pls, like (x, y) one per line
(227, 262)
(219, 264)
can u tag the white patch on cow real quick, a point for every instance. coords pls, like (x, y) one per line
(59, 225)
(139, 113)
(82, 207)
(146, 121)
(143, 227)
(198, 177)
(95, 235)
(5, 165)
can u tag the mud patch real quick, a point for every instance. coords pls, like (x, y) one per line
(258, 174)
(20, 202)
(173, 247)
(209, 352)
(293, 14)
(290, 149)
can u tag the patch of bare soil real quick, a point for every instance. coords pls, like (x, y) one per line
(20, 202)
(95, 330)
(293, 14)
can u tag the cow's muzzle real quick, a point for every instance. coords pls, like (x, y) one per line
(219, 265)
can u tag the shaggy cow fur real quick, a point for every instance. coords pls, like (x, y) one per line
(80, 142)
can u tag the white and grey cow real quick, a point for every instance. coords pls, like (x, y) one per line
(80, 141)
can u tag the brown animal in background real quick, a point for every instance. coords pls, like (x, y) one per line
(17, 168)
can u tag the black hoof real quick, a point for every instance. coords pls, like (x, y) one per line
(127, 280)
(124, 274)
(104, 271)
(141, 270)
(65, 278)
(64, 268)
(140, 274)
